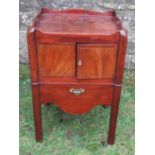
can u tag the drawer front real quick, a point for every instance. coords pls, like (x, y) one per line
(56, 60)
(96, 61)
(75, 98)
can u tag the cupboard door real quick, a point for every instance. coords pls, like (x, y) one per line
(96, 61)
(57, 60)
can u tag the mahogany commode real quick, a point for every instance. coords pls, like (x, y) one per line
(76, 62)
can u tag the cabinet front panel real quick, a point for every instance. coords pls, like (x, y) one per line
(96, 61)
(56, 60)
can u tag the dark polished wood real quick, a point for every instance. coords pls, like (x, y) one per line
(77, 23)
(51, 62)
(76, 62)
(100, 58)
(37, 112)
(113, 115)
(60, 95)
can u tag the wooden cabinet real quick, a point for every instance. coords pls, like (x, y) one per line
(76, 62)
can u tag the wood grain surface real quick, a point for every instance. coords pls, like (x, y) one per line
(60, 95)
(98, 61)
(77, 22)
(57, 60)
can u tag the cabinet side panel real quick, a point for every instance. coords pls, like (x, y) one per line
(121, 57)
(32, 54)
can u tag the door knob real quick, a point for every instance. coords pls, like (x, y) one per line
(79, 63)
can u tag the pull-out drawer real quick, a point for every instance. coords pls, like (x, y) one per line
(76, 98)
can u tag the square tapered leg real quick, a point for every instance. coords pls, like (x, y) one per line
(114, 114)
(37, 113)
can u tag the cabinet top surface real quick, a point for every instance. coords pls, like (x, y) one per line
(77, 21)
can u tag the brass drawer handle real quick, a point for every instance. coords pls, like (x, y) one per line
(76, 91)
